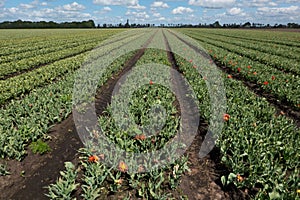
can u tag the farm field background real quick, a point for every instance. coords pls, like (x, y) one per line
(258, 149)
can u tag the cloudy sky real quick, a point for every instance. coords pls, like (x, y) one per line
(153, 11)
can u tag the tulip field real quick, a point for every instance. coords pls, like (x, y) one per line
(258, 147)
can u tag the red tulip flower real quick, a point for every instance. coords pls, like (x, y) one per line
(140, 137)
(93, 158)
(226, 117)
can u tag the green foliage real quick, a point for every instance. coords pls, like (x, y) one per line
(256, 66)
(47, 102)
(258, 146)
(39, 147)
(65, 185)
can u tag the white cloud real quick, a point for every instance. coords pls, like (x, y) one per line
(181, 10)
(26, 6)
(156, 14)
(278, 14)
(235, 11)
(13, 10)
(259, 2)
(33, 4)
(138, 16)
(159, 4)
(212, 3)
(273, 4)
(292, 10)
(58, 14)
(106, 9)
(137, 7)
(117, 2)
(74, 7)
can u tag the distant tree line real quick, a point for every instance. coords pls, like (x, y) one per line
(91, 24)
(213, 25)
(126, 25)
(233, 25)
(44, 24)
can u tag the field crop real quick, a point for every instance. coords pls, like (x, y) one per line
(258, 143)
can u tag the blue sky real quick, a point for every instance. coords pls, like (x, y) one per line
(153, 11)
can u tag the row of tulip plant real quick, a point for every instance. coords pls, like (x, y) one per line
(258, 145)
(268, 57)
(17, 42)
(275, 38)
(284, 86)
(136, 130)
(30, 115)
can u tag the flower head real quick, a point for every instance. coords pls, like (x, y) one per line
(226, 117)
(140, 137)
(266, 83)
(273, 78)
(239, 69)
(93, 158)
(229, 76)
(254, 73)
(151, 82)
(119, 181)
(123, 167)
(239, 178)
